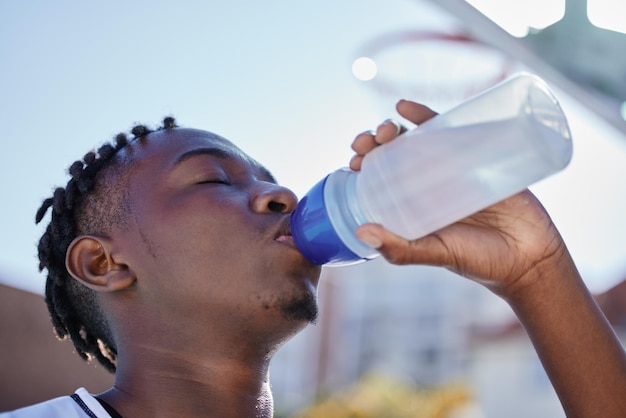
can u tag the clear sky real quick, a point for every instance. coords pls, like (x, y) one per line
(273, 76)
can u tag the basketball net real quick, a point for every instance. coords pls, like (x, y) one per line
(437, 69)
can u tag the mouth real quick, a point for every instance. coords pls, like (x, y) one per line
(286, 239)
(283, 235)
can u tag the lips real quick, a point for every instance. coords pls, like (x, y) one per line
(284, 233)
(285, 238)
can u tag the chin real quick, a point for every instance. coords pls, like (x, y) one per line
(300, 309)
(300, 304)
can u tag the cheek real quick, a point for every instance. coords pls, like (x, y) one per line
(196, 265)
(193, 223)
(189, 242)
(201, 242)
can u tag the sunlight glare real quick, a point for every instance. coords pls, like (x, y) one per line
(519, 17)
(364, 68)
(607, 14)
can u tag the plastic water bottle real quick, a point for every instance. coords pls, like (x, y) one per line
(486, 149)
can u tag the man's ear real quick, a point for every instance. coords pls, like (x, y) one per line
(89, 260)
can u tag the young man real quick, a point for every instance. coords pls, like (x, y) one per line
(170, 260)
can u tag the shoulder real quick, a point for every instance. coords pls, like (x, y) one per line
(79, 405)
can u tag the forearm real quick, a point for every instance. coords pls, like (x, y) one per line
(578, 348)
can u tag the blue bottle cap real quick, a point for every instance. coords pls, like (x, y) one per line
(314, 234)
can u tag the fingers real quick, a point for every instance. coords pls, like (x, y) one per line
(368, 140)
(355, 162)
(388, 130)
(398, 250)
(415, 112)
(362, 144)
(394, 248)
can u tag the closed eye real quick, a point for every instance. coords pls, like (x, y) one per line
(215, 181)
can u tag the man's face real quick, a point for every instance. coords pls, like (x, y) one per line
(209, 235)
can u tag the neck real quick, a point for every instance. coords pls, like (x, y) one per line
(164, 383)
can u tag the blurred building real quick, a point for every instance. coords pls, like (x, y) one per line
(425, 327)
(34, 364)
(411, 324)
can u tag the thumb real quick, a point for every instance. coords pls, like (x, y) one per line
(396, 249)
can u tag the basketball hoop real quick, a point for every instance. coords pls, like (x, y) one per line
(435, 68)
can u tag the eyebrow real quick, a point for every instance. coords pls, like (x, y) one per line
(215, 152)
(222, 155)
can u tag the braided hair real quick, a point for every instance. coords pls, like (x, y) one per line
(85, 206)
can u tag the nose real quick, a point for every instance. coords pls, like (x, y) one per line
(272, 198)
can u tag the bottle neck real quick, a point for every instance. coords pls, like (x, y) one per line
(325, 220)
(345, 212)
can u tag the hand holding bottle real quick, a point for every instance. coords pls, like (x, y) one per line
(514, 249)
(484, 150)
(497, 246)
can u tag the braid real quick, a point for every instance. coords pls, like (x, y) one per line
(76, 210)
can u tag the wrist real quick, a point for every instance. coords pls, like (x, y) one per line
(552, 274)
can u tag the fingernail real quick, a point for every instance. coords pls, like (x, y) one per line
(396, 124)
(370, 240)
